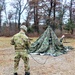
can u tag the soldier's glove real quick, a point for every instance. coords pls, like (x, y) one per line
(27, 47)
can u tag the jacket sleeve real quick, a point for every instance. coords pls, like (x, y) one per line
(27, 43)
(12, 41)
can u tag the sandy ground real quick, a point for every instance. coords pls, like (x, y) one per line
(61, 65)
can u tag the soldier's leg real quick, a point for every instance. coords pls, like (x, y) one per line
(26, 63)
(16, 61)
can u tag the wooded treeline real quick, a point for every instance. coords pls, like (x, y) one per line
(34, 13)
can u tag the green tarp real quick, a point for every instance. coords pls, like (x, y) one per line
(48, 44)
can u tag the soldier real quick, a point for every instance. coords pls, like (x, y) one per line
(21, 44)
(61, 39)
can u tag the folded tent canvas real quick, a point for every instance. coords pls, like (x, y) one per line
(48, 44)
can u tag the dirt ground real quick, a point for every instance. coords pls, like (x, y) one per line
(61, 65)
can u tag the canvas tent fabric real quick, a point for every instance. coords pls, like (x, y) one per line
(48, 44)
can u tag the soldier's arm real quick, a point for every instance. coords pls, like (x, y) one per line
(30, 39)
(12, 41)
(28, 43)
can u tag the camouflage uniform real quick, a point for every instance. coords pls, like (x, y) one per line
(61, 39)
(21, 43)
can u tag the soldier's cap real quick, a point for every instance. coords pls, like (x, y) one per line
(23, 27)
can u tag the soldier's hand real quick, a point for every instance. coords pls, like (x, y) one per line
(30, 39)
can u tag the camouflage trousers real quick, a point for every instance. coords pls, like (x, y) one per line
(24, 55)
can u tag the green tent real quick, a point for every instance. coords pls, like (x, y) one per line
(48, 44)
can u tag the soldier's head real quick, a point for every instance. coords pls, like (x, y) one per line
(24, 28)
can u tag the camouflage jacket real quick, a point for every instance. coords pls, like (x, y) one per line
(20, 41)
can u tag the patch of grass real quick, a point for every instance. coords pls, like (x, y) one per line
(33, 39)
(5, 41)
(69, 42)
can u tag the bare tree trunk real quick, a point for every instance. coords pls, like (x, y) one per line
(71, 15)
(0, 22)
(71, 10)
(50, 8)
(36, 18)
(19, 22)
(19, 15)
(49, 11)
(54, 15)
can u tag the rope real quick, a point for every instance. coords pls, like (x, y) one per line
(39, 62)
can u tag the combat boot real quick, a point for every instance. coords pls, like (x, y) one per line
(27, 73)
(15, 73)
